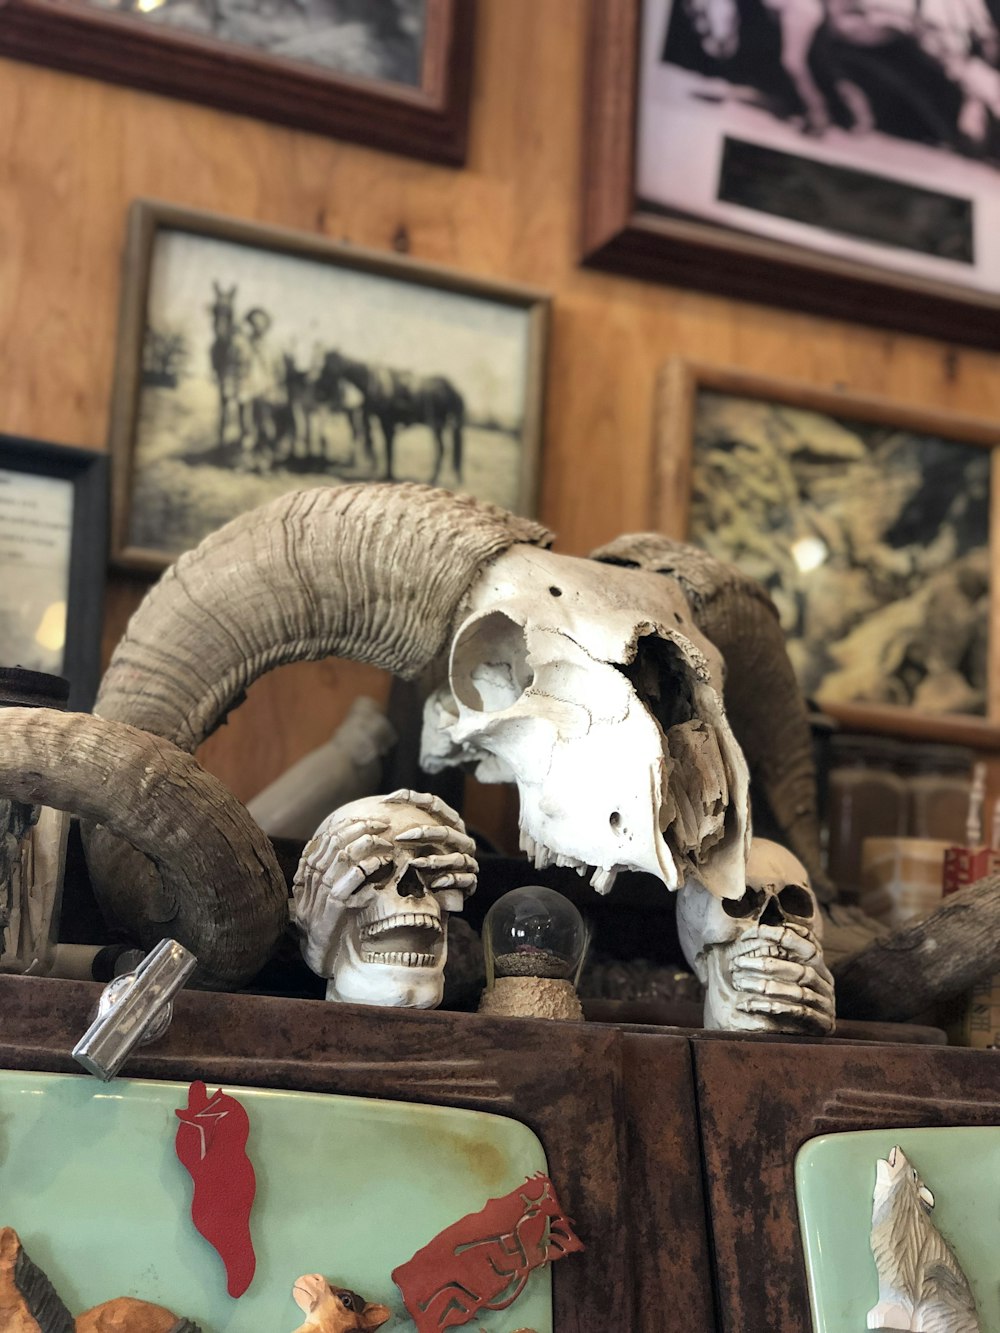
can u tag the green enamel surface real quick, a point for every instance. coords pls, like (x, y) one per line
(834, 1180)
(346, 1186)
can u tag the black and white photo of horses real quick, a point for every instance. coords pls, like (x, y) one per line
(868, 129)
(873, 542)
(263, 372)
(375, 39)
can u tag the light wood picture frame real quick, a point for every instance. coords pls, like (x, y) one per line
(255, 360)
(872, 524)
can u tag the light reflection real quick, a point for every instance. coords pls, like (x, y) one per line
(51, 631)
(809, 553)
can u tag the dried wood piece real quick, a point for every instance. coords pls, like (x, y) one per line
(942, 955)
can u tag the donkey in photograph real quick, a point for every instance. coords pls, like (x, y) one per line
(398, 398)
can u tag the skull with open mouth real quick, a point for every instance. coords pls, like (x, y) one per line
(592, 688)
(372, 896)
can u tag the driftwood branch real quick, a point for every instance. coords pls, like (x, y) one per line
(942, 955)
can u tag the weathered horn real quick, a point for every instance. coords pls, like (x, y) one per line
(763, 701)
(159, 799)
(373, 573)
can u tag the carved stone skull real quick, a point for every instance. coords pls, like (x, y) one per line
(760, 957)
(593, 690)
(372, 896)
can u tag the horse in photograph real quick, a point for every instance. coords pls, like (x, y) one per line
(921, 69)
(399, 398)
(315, 398)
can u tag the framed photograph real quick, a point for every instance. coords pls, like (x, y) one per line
(869, 522)
(53, 552)
(392, 74)
(253, 361)
(840, 161)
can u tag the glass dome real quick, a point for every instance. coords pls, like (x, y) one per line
(534, 932)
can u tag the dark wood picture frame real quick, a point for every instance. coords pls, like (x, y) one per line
(148, 217)
(678, 386)
(618, 234)
(88, 472)
(429, 122)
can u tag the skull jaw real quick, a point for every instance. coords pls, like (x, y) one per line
(355, 979)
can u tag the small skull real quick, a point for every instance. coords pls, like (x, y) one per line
(760, 957)
(372, 896)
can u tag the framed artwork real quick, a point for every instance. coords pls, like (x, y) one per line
(843, 162)
(53, 551)
(870, 524)
(392, 74)
(253, 361)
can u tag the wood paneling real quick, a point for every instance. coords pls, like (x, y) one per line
(74, 152)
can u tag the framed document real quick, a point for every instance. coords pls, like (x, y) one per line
(53, 541)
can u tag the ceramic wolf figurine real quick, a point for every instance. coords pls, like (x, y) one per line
(920, 1282)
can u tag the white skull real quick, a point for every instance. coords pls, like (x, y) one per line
(385, 940)
(760, 956)
(592, 689)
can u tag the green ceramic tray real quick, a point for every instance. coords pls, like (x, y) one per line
(346, 1186)
(835, 1177)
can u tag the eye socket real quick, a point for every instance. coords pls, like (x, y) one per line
(489, 664)
(747, 906)
(796, 900)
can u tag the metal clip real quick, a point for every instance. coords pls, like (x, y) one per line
(134, 1009)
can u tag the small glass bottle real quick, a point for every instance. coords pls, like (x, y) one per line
(535, 941)
(32, 847)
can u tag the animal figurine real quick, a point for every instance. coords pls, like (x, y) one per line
(30, 1304)
(330, 1309)
(920, 1282)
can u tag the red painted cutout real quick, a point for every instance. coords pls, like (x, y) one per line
(483, 1261)
(211, 1142)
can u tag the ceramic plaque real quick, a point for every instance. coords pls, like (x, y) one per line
(951, 1197)
(348, 1187)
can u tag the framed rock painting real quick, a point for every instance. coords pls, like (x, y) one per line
(393, 74)
(843, 161)
(254, 361)
(868, 522)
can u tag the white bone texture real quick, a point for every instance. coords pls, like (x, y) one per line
(760, 958)
(372, 895)
(591, 688)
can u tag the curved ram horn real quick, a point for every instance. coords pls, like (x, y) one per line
(219, 890)
(763, 701)
(370, 572)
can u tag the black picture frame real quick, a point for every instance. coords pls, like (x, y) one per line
(88, 472)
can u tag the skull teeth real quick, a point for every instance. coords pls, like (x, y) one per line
(398, 958)
(401, 921)
(542, 857)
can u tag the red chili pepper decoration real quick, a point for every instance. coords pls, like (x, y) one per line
(211, 1142)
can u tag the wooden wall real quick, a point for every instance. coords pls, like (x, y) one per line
(73, 153)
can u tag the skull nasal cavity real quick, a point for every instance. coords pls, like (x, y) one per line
(489, 664)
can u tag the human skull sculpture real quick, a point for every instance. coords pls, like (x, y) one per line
(593, 690)
(760, 957)
(372, 894)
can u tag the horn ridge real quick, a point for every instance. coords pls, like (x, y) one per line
(216, 885)
(370, 572)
